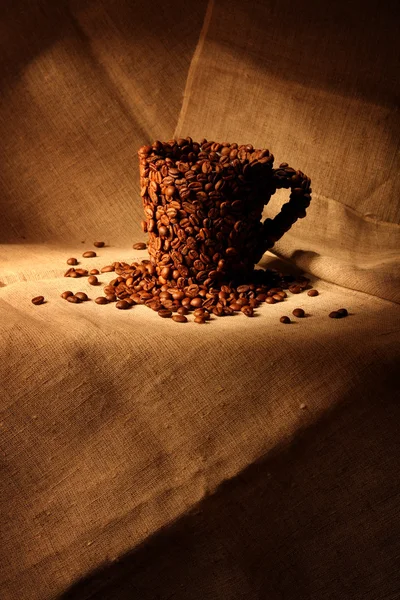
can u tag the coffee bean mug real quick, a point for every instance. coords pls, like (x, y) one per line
(203, 204)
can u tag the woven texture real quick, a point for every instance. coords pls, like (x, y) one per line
(245, 459)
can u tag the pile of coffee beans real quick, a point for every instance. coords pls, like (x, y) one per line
(139, 283)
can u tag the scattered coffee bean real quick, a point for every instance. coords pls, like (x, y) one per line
(285, 320)
(93, 280)
(139, 246)
(295, 289)
(312, 293)
(98, 244)
(94, 272)
(343, 312)
(68, 272)
(248, 311)
(122, 305)
(270, 300)
(72, 261)
(89, 254)
(73, 300)
(108, 269)
(82, 296)
(335, 315)
(200, 320)
(299, 313)
(38, 300)
(179, 318)
(199, 312)
(66, 294)
(81, 272)
(165, 313)
(101, 300)
(111, 297)
(74, 274)
(182, 311)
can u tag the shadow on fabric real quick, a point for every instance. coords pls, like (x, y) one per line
(292, 526)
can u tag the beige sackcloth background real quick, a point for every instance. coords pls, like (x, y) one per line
(142, 459)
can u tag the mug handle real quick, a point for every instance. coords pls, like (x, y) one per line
(299, 200)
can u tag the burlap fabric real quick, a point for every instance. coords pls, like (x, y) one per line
(240, 460)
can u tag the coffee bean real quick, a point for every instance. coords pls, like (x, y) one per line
(196, 302)
(277, 297)
(179, 318)
(107, 269)
(295, 289)
(242, 301)
(335, 315)
(98, 244)
(82, 296)
(285, 320)
(270, 300)
(89, 254)
(81, 272)
(139, 246)
(182, 311)
(248, 311)
(93, 280)
(110, 297)
(298, 312)
(199, 320)
(101, 300)
(38, 300)
(236, 307)
(122, 305)
(74, 300)
(343, 312)
(72, 261)
(165, 313)
(66, 294)
(199, 312)
(179, 295)
(312, 293)
(94, 272)
(74, 274)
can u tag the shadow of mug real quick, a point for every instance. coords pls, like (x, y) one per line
(203, 205)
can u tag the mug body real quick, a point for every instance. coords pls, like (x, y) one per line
(203, 204)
